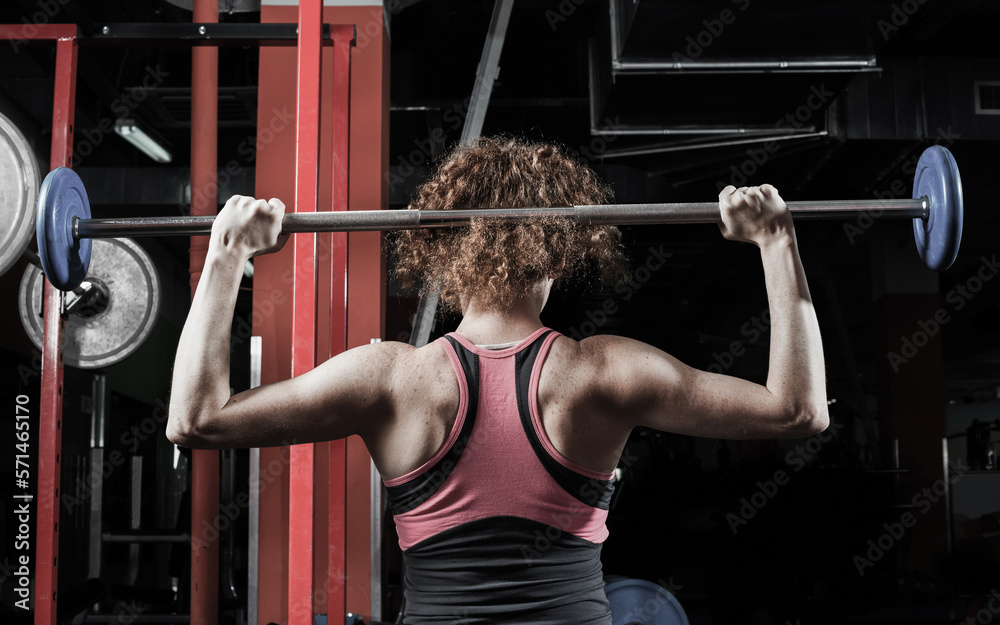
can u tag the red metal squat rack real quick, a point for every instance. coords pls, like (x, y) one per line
(312, 36)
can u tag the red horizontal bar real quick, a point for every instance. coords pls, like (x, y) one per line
(33, 32)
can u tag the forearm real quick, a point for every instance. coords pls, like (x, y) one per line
(796, 373)
(201, 369)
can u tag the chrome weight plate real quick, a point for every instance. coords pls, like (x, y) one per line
(110, 315)
(19, 180)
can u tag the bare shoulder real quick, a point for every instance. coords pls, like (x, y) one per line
(418, 380)
(397, 366)
(426, 367)
(606, 353)
(383, 377)
(614, 370)
(419, 403)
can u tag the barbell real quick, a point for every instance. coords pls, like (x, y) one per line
(64, 227)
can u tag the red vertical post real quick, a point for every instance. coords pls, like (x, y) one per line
(343, 41)
(204, 201)
(304, 287)
(50, 406)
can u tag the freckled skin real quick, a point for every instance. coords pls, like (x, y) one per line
(403, 400)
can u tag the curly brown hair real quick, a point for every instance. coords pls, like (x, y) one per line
(498, 262)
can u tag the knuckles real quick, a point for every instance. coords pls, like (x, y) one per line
(250, 225)
(748, 209)
(252, 208)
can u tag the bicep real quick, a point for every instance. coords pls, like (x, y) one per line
(656, 390)
(345, 395)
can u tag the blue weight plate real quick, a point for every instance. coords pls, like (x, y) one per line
(939, 237)
(65, 261)
(640, 601)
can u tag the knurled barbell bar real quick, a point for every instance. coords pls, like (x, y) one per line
(64, 226)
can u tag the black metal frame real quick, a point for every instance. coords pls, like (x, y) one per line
(200, 34)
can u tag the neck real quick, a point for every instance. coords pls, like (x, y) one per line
(493, 327)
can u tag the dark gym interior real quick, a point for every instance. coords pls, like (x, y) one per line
(891, 516)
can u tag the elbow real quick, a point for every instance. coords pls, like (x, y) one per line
(810, 420)
(179, 432)
(184, 430)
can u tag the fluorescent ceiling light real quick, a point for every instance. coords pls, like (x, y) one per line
(130, 131)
